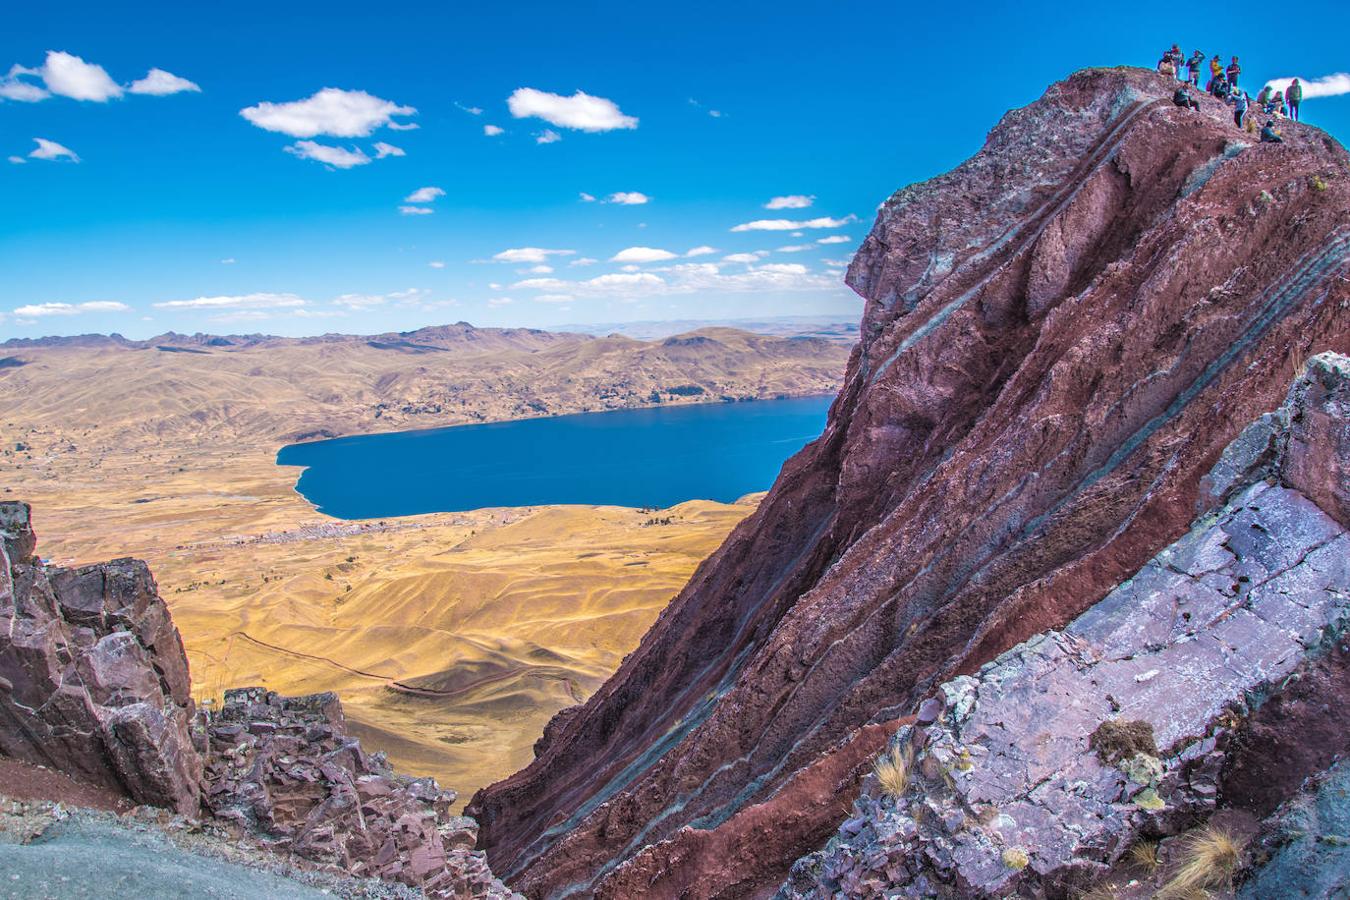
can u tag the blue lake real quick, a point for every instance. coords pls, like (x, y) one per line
(638, 457)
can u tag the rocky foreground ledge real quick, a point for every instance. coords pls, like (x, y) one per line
(94, 683)
(1212, 682)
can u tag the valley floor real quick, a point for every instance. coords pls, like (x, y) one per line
(451, 638)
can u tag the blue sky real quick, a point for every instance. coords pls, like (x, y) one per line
(204, 210)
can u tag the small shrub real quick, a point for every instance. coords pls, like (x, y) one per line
(1318, 183)
(1115, 740)
(1016, 859)
(892, 770)
(1145, 855)
(1210, 858)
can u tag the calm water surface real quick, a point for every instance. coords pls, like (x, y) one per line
(638, 457)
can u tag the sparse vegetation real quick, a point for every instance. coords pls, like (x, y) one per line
(1318, 183)
(1015, 858)
(1115, 740)
(893, 769)
(1210, 858)
(1145, 855)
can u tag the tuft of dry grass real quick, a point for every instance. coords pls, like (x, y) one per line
(1210, 858)
(1145, 855)
(893, 769)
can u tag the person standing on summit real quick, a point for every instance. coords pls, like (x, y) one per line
(1193, 64)
(1293, 96)
(1215, 73)
(1233, 71)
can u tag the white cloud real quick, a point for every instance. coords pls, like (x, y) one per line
(52, 150)
(795, 248)
(37, 310)
(237, 301)
(540, 269)
(642, 255)
(587, 198)
(13, 87)
(684, 278)
(416, 210)
(554, 298)
(630, 268)
(834, 239)
(628, 198)
(424, 195)
(583, 261)
(791, 201)
(500, 301)
(360, 301)
(790, 225)
(581, 111)
(471, 110)
(626, 280)
(331, 111)
(159, 83)
(747, 258)
(403, 126)
(548, 136)
(436, 264)
(17, 160)
(492, 130)
(703, 250)
(69, 76)
(227, 261)
(337, 157)
(1326, 86)
(529, 255)
(382, 150)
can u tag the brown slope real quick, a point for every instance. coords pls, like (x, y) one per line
(1060, 337)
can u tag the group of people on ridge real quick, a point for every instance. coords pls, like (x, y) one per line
(1223, 84)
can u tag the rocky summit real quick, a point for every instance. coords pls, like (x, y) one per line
(1061, 337)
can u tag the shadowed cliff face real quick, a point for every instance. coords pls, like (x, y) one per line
(1060, 337)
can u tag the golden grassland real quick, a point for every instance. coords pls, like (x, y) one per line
(451, 638)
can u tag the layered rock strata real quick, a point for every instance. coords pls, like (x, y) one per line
(1060, 337)
(1038, 774)
(93, 678)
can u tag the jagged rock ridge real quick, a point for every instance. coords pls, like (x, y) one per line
(1060, 338)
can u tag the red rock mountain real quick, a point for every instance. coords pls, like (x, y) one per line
(1060, 337)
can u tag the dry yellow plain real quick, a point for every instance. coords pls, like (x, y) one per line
(451, 638)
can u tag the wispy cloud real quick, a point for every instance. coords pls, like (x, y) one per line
(39, 310)
(337, 157)
(791, 201)
(237, 301)
(794, 225)
(159, 83)
(547, 136)
(834, 239)
(424, 195)
(529, 254)
(642, 255)
(51, 150)
(416, 210)
(382, 150)
(581, 111)
(331, 111)
(471, 110)
(628, 198)
(492, 130)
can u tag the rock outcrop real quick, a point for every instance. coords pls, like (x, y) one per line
(94, 683)
(284, 770)
(93, 678)
(1040, 773)
(1060, 338)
